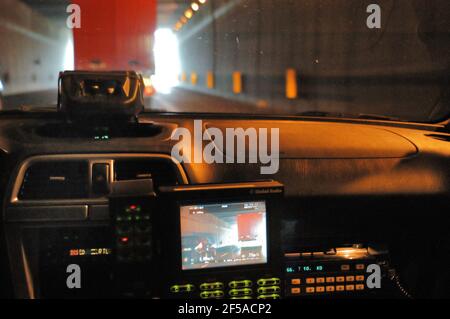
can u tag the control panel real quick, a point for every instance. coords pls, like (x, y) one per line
(133, 230)
(251, 287)
(340, 271)
(132, 220)
(337, 272)
(203, 242)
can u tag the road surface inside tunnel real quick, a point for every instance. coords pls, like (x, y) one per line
(185, 100)
(179, 100)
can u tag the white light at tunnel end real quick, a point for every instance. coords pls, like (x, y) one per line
(167, 61)
(69, 58)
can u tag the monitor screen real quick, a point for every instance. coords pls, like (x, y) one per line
(223, 234)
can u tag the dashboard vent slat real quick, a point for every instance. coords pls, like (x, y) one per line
(161, 171)
(55, 180)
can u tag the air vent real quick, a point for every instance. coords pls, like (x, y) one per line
(441, 137)
(55, 180)
(163, 172)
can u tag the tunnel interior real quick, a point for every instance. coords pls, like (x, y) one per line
(282, 57)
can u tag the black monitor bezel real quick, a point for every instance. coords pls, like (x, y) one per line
(172, 198)
(217, 202)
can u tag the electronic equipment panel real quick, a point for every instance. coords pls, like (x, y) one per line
(342, 271)
(215, 241)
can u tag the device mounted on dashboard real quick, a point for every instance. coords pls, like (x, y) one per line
(100, 96)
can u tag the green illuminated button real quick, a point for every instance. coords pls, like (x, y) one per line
(268, 281)
(182, 288)
(211, 286)
(240, 283)
(216, 294)
(206, 294)
(268, 290)
(271, 296)
(242, 297)
(240, 292)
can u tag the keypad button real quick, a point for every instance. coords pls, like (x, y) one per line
(350, 287)
(345, 267)
(295, 281)
(310, 290)
(295, 291)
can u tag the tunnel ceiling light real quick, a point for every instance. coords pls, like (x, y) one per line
(178, 25)
(195, 6)
(188, 14)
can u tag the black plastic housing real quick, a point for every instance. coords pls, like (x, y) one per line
(100, 96)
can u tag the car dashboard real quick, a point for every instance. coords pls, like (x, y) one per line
(350, 198)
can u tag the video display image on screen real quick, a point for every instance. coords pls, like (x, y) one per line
(223, 234)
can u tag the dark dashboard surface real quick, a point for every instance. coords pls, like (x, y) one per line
(368, 183)
(327, 158)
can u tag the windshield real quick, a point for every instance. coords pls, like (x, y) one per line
(386, 59)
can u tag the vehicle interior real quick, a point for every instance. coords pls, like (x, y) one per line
(224, 149)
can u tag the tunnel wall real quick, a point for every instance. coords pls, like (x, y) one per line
(32, 49)
(341, 65)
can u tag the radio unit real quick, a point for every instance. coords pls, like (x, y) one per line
(344, 271)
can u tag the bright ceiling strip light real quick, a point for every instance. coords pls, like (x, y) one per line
(195, 6)
(188, 13)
